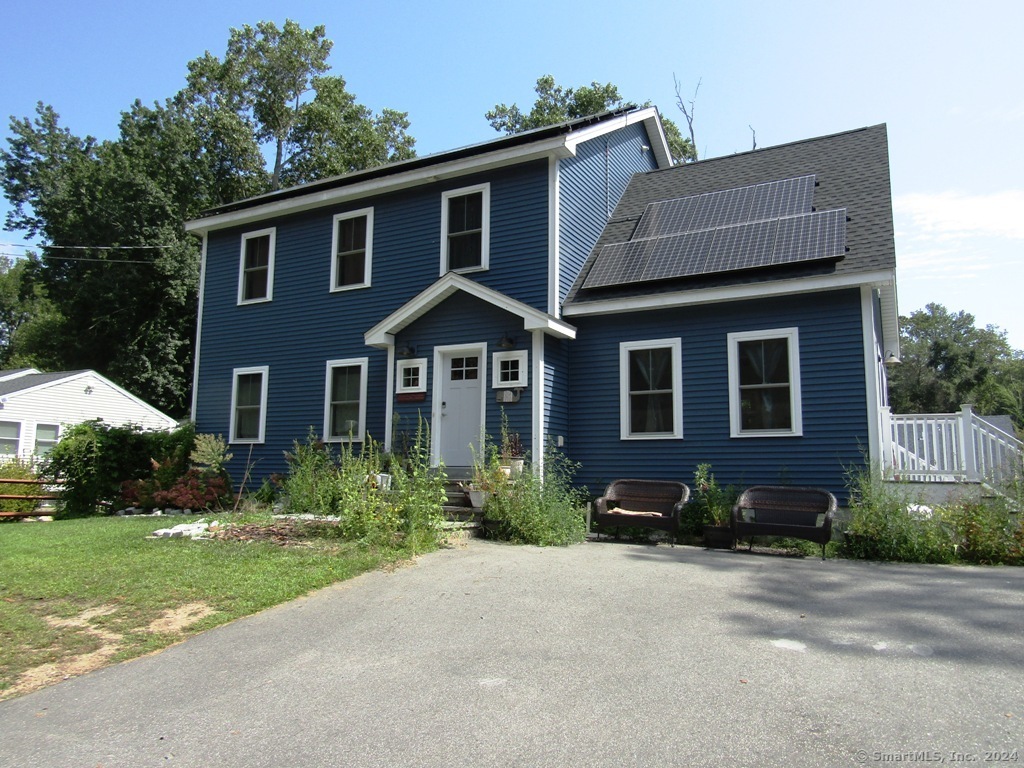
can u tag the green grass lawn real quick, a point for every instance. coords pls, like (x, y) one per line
(77, 594)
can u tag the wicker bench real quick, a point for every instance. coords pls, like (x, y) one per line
(773, 510)
(653, 504)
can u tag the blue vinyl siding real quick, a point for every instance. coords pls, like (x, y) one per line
(591, 184)
(556, 383)
(832, 385)
(306, 324)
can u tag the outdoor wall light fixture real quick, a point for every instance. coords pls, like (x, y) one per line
(406, 350)
(507, 342)
(891, 359)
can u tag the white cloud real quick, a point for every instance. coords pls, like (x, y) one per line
(947, 216)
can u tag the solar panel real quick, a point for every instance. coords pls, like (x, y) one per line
(819, 235)
(807, 237)
(787, 197)
(743, 247)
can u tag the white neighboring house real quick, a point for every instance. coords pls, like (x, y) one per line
(36, 408)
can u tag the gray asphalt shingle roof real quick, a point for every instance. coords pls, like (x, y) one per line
(852, 172)
(30, 380)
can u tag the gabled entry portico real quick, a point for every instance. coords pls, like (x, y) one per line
(486, 355)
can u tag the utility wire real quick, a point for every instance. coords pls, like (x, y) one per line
(88, 247)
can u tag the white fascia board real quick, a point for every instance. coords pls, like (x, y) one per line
(878, 279)
(555, 146)
(383, 334)
(890, 318)
(649, 116)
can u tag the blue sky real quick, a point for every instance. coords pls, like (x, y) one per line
(947, 78)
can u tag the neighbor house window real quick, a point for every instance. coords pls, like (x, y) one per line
(352, 248)
(764, 383)
(509, 369)
(10, 435)
(412, 376)
(256, 270)
(46, 438)
(249, 404)
(465, 228)
(650, 389)
(345, 402)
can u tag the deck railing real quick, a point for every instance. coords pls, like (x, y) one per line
(949, 447)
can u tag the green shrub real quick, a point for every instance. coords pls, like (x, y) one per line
(986, 531)
(886, 523)
(530, 509)
(16, 469)
(94, 459)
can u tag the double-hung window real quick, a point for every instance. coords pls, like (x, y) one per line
(465, 228)
(345, 401)
(650, 389)
(46, 437)
(10, 436)
(256, 267)
(764, 383)
(249, 404)
(352, 250)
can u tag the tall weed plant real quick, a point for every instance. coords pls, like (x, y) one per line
(888, 523)
(531, 509)
(404, 511)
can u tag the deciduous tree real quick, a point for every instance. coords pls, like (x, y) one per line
(557, 104)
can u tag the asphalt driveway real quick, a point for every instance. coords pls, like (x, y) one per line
(602, 654)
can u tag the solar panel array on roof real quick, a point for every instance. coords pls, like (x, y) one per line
(786, 240)
(711, 210)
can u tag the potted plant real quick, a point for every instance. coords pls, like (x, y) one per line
(511, 450)
(715, 504)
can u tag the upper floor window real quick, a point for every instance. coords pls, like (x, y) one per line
(352, 248)
(764, 383)
(465, 228)
(345, 401)
(249, 404)
(256, 268)
(650, 389)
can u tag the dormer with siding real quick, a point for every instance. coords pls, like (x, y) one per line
(357, 303)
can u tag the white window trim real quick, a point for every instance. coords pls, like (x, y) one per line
(625, 347)
(524, 372)
(485, 227)
(363, 363)
(735, 413)
(368, 213)
(272, 232)
(18, 439)
(35, 436)
(262, 369)
(404, 365)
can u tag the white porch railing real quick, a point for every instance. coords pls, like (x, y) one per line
(949, 447)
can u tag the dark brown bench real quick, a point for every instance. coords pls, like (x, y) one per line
(778, 510)
(655, 504)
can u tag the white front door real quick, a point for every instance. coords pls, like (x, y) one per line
(459, 404)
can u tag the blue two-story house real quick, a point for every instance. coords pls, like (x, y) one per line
(644, 317)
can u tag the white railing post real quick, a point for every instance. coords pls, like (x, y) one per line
(972, 472)
(885, 425)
